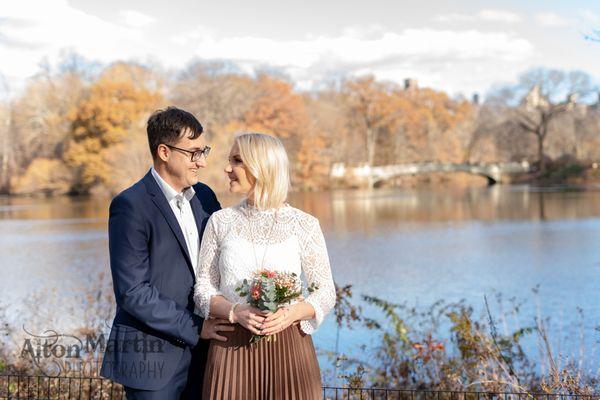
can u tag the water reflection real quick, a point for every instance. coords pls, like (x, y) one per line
(369, 211)
(388, 210)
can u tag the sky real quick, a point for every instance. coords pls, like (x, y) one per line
(462, 47)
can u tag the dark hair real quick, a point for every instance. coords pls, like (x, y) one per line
(169, 125)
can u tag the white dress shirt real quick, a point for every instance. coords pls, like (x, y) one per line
(180, 204)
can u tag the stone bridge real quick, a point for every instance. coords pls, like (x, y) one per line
(495, 173)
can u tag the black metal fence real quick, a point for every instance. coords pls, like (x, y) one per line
(332, 393)
(15, 387)
(58, 388)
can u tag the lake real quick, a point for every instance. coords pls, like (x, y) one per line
(403, 245)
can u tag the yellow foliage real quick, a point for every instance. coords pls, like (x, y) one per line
(116, 103)
(43, 175)
(98, 131)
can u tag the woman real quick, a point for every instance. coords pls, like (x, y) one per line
(262, 232)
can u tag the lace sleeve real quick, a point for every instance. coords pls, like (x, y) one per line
(207, 273)
(316, 269)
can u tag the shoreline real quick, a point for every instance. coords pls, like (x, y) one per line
(569, 175)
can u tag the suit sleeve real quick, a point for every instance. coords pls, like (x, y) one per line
(216, 204)
(129, 263)
(208, 198)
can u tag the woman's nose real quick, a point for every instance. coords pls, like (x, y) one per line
(228, 168)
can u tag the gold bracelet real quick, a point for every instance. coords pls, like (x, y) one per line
(231, 310)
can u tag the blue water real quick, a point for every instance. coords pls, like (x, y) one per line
(413, 246)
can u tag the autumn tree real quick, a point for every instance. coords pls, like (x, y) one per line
(430, 126)
(326, 139)
(276, 109)
(407, 124)
(6, 155)
(534, 105)
(39, 128)
(535, 114)
(214, 93)
(113, 111)
(370, 111)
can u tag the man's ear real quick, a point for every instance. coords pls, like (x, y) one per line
(163, 152)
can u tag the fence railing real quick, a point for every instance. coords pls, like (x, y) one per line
(332, 393)
(16, 387)
(58, 388)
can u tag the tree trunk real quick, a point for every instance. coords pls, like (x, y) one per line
(371, 139)
(4, 153)
(541, 157)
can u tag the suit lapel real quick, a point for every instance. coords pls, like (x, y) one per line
(159, 199)
(199, 214)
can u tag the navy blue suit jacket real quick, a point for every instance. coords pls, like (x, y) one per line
(153, 281)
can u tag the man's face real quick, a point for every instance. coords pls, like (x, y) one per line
(183, 171)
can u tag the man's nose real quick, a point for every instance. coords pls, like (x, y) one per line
(201, 162)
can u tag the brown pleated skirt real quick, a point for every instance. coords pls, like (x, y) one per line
(281, 369)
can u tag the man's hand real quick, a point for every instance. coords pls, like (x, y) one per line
(212, 327)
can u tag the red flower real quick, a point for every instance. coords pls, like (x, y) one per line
(255, 292)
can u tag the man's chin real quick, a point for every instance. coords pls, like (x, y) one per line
(193, 181)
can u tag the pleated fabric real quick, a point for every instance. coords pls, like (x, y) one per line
(281, 369)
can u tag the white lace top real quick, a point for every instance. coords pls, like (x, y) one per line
(237, 240)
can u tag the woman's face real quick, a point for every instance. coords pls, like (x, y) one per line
(240, 180)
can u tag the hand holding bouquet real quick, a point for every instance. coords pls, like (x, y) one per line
(270, 290)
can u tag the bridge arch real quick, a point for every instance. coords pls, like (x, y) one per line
(491, 180)
(494, 173)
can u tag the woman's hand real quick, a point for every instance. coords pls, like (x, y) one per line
(278, 321)
(249, 317)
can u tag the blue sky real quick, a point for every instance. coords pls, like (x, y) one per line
(459, 46)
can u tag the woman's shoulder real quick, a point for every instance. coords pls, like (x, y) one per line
(225, 215)
(304, 219)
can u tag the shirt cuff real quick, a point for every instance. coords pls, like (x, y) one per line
(310, 326)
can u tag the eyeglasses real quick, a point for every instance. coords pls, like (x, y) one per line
(195, 155)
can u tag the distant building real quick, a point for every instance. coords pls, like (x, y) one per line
(535, 99)
(596, 105)
(410, 84)
(476, 99)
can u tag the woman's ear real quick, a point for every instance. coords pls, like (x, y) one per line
(250, 177)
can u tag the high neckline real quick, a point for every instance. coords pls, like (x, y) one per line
(251, 209)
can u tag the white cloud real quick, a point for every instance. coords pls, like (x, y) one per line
(453, 60)
(33, 30)
(453, 17)
(483, 15)
(500, 16)
(551, 20)
(135, 19)
(427, 54)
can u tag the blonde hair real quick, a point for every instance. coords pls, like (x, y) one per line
(266, 159)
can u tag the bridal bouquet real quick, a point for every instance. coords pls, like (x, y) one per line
(271, 290)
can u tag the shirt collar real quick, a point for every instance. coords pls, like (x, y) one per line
(168, 190)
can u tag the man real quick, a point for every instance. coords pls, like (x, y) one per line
(157, 347)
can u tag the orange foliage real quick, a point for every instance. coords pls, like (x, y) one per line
(116, 102)
(431, 123)
(101, 140)
(276, 109)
